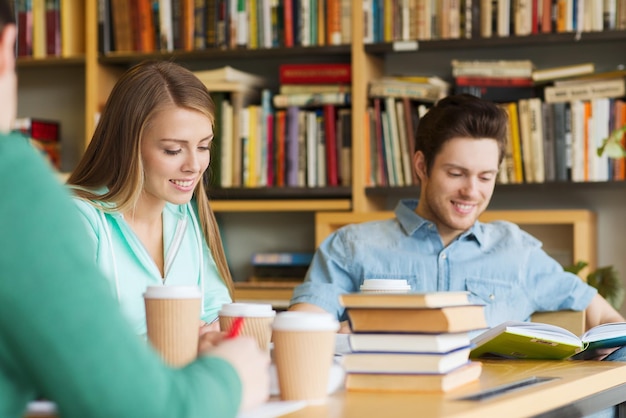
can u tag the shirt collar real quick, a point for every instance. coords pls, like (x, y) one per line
(410, 222)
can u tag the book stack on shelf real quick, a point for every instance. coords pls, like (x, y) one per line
(280, 266)
(496, 80)
(237, 95)
(313, 135)
(397, 104)
(416, 342)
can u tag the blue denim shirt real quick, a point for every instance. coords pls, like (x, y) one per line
(501, 266)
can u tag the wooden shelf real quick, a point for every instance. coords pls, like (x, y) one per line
(525, 187)
(244, 54)
(509, 41)
(266, 193)
(27, 62)
(286, 205)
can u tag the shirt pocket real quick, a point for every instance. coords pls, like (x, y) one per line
(490, 291)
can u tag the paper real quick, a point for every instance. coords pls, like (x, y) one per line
(35, 408)
(273, 409)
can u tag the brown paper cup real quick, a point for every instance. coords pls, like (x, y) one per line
(304, 346)
(257, 323)
(172, 319)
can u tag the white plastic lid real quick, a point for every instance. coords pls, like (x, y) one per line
(172, 292)
(305, 321)
(247, 309)
(385, 284)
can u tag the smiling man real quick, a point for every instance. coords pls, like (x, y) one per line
(436, 243)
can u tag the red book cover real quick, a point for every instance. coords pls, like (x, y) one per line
(146, 41)
(25, 30)
(270, 150)
(53, 28)
(288, 22)
(330, 73)
(493, 81)
(330, 134)
(534, 23)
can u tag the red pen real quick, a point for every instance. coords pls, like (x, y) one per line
(235, 328)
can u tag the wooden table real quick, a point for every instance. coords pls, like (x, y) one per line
(579, 388)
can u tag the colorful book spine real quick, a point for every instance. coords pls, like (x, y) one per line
(330, 73)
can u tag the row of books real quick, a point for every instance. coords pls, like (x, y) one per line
(558, 120)
(297, 138)
(149, 25)
(411, 342)
(50, 28)
(454, 19)
(280, 266)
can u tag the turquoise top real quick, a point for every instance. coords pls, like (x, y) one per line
(62, 334)
(130, 268)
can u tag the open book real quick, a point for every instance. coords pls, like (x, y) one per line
(532, 340)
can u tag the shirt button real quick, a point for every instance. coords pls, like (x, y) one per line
(492, 296)
(443, 256)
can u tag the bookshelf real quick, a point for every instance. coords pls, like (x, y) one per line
(88, 78)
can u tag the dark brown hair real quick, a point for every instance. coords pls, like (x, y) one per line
(463, 116)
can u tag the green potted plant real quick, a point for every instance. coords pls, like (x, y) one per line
(606, 280)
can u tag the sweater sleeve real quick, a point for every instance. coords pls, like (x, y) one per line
(62, 334)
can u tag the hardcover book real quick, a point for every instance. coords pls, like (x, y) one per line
(409, 343)
(429, 320)
(403, 300)
(330, 73)
(405, 362)
(531, 340)
(415, 382)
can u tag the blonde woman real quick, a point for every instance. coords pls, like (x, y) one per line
(140, 189)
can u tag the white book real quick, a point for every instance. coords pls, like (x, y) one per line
(305, 23)
(408, 343)
(536, 139)
(166, 30)
(230, 74)
(368, 23)
(390, 106)
(266, 24)
(578, 136)
(405, 362)
(388, 144)
(601, 109)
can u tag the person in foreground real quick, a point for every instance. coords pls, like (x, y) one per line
(437, 243)
(140, 190)
(62, 335)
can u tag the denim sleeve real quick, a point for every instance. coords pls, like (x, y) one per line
(555, 289)
(329, 275)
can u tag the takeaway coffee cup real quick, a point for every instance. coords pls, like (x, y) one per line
(304, 345)
(172, 318)
(257, 323)
(385, 286)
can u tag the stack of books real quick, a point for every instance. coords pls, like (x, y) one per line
(413, 342)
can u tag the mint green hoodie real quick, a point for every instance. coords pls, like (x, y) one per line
(130, 269)
(62, 336)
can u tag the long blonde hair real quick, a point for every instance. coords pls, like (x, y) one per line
(112, 159)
